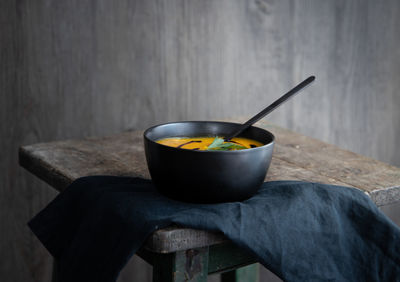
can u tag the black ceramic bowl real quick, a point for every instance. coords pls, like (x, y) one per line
(206, 176)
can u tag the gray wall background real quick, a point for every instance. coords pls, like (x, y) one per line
(77, 68)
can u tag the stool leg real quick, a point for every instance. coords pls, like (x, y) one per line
(248, 273)
(190, 265)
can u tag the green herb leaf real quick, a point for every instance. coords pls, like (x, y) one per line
(235, 146)
(219, 145)
(229, 146)
(216, 143)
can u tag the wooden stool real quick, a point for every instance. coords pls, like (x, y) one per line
(182, 254)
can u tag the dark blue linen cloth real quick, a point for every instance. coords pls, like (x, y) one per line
(300, 231)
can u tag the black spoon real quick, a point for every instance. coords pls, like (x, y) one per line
(270, 108)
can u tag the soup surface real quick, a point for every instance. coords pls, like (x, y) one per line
(210, 143)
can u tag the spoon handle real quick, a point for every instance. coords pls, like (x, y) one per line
(271, 107)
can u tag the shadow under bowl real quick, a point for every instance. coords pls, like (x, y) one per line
(207, 176)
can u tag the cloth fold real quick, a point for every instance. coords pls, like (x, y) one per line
(301, 231)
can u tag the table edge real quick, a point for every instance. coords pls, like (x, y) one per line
(385, 196)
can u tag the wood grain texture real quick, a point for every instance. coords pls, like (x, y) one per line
(22, 258)
(172, 239)
(72, 69)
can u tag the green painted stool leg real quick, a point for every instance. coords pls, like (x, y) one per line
(190, 265)
(248, 273)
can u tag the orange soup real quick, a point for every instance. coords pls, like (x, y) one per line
(210, 143)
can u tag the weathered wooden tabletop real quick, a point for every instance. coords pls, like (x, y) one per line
(296, 157)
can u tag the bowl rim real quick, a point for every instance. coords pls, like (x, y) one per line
(206, 151)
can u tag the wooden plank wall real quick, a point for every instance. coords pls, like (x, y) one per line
(71, 69)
